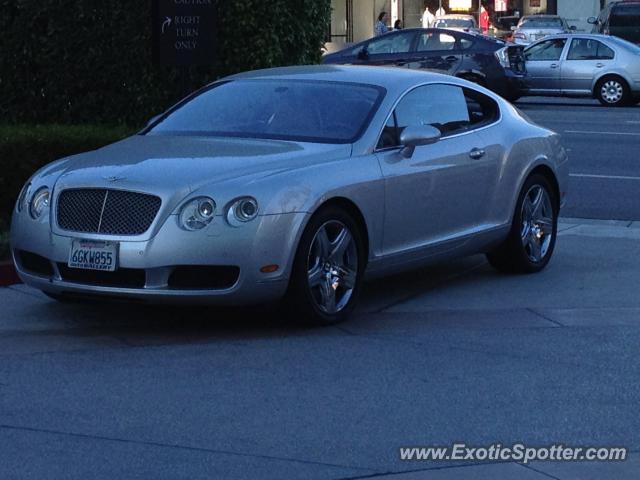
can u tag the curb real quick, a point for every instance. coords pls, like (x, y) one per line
(8, 275)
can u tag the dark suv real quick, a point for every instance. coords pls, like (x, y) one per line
(480, 59)
(621, 19)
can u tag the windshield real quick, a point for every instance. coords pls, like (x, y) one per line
(297, 110)
(541, 23)
(453, 23)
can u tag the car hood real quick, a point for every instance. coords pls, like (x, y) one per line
(182, 164)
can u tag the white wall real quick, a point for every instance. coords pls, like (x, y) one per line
(576, 12)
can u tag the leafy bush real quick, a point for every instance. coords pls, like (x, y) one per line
(24, 149)
(73, 61)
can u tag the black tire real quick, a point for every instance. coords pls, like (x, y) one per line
(516, 254)
(303, 302)
(618, 94)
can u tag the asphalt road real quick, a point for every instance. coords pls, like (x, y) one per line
(455, 353)
(604, 148)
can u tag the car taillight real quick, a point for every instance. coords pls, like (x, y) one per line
(503, 57)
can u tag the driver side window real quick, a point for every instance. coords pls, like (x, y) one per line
(547, 51)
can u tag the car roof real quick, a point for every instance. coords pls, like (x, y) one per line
(389, 78)
(455, 15)
(541, 16)
(592, 36)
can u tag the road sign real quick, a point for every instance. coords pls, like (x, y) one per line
(184, 32)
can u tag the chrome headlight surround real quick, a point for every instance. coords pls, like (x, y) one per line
(241, 211)
(197, 213)
(39, 203)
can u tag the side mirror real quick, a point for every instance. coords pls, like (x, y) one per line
(573, 27)
(418, 135)
(592, 20)
(153, 119)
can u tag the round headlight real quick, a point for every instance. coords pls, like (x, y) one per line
(39, 203)
(242, 210)
(197, 213)
(22, 198)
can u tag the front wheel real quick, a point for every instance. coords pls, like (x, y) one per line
(532, 237)
(613, 92)
(328, 269)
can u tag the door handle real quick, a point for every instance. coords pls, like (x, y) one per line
(554, 65)
(451, 58)
(599, 65)
(477, 153)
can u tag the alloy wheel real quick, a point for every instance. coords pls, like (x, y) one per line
(537, 227)
(332, 267)
(612, 91)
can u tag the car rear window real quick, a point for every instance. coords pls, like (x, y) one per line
(283, 109)
(625, 16)
(541, 23)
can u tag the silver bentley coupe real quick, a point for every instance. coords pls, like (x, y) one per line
(295, 184)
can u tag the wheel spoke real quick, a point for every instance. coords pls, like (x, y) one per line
(537, 203)
(534, 246)
(339, 246)
(328, 296)
(322, 244)
(315, 275)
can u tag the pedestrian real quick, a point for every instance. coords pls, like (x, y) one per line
(428, 18)
(381, 25)
(484, 21)
(397, 25)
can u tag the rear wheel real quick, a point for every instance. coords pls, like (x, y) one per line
(613, 92)
(532, 237)
(328, 268)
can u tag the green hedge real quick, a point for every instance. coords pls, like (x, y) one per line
(26, 148)
(76, 61)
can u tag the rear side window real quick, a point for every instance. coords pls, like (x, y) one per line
(625, 16)
(431, 42)
(588, 49)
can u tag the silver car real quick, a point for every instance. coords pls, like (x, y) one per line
(295, 183)
(587, 65)
(461, 23)
(534, 27)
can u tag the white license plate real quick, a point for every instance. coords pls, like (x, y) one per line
(93, 255)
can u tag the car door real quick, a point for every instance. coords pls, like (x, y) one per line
(585, 60)
(543, 66)
(436, 50)
(442, 191)
(389, 49)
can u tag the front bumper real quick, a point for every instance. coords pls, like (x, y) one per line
(268, 240)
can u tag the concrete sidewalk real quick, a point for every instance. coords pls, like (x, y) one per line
(452, 353)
